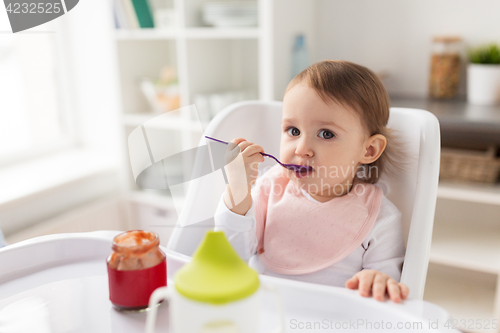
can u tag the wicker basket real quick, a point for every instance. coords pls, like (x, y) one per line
(470, 165)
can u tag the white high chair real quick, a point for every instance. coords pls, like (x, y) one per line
(414, 192)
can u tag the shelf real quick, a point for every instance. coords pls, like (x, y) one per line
(456, 112)
(462, 124)
(189, 33)
(137, 119)
(145, 34)
(478, 193)
(466, 247)
(222, 33)
(462, 296)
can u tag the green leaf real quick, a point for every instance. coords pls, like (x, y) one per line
(485, 54)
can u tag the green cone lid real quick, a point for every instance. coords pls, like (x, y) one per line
(216, 274)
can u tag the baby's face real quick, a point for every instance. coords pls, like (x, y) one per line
(327, 136)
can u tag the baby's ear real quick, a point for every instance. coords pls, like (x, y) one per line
(374, 147)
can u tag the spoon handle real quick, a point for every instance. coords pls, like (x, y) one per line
(293, 167)
(274, 158)
(271, 156)
(206, 136)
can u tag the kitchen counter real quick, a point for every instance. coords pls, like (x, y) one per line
(462, 124)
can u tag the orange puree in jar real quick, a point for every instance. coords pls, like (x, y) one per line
(136, 267)
(136, 249)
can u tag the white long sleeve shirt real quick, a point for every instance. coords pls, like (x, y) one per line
(383, 248)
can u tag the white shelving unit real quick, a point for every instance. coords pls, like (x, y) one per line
(464, 270)
(207, 60)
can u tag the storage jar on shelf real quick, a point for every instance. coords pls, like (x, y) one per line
(445, 67)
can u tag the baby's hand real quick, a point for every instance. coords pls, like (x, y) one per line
(371, 280)
(250, 153)
(240, 181)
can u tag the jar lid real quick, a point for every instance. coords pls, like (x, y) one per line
(216, 274)
(446, 39)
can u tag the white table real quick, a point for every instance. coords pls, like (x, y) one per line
(58, 283)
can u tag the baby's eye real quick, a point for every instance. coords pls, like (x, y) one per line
(326, 134)
(293, 131)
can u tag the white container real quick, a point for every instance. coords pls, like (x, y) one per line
(483, 84)
(230, 13)
(215, 292)
(164, 18)
(188, 316)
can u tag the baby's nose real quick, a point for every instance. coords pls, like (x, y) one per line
(304, 149)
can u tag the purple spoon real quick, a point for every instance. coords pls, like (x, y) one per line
(293, 167)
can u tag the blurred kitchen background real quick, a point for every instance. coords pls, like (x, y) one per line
(72, 90)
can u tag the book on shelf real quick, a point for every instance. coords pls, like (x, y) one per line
(116, 19)
(122, 20)
(143, 12)
(133, 14)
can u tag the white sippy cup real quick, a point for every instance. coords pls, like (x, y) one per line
(215, 292)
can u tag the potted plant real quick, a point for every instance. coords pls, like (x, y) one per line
(483, 75)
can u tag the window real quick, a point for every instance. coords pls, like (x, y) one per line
(32, 100)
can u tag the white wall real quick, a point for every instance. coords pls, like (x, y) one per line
(395, 35)
(292, 17)
(57, 183)
(92, 52)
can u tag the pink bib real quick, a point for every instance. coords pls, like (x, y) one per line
(299, 236)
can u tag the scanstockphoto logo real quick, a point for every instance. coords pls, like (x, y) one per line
(163, 157)
(26, 14)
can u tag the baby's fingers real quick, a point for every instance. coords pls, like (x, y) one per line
(394, 291)
(237, 146)
(234, 148)
(244, 145)
(352, 283)
(365, 283)
(237, 141)
(404, 290)
(379, 286)
(253, 150)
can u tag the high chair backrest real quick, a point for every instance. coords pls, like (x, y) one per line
(413, 191)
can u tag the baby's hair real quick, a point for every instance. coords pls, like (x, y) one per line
(359, 89)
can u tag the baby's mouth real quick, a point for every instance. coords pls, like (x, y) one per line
(304, 172)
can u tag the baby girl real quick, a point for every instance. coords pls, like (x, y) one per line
(329, 225)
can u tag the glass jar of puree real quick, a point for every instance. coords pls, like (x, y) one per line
(136, 267)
